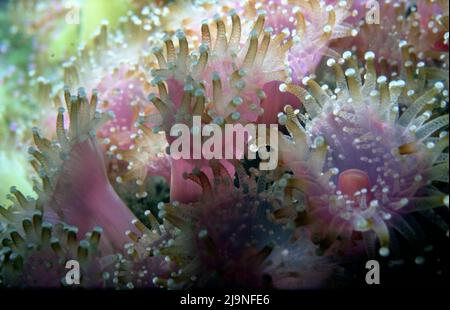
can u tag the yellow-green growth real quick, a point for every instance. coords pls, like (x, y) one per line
(93, 12)
(13, 173)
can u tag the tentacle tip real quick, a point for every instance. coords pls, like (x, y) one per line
(369, 55)
(384, 251)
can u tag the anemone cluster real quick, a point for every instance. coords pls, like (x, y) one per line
(89, 94)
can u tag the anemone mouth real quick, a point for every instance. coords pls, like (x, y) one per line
(352, 181)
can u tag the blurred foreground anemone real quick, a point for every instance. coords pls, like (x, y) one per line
(360, 162)
(230, 238)
(75, 188)
(140, 261)
(35, 255)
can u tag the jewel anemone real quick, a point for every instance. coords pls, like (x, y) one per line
(74, 186)
(361, 164)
